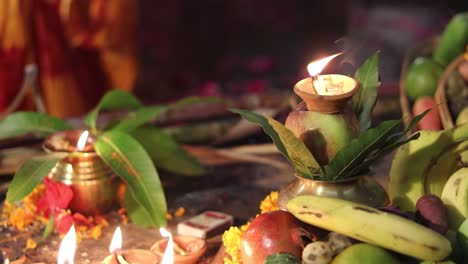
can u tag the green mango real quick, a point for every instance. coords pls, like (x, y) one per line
(363, 253)
(453, 41)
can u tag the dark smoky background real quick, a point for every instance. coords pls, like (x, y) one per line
(223, 48)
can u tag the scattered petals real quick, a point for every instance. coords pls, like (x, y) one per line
(63, 222)
(180, 212)
(31, 244)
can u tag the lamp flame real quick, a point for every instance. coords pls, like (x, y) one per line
(168, 257)
(66, 253)
(315, 68)
(116, 242)
(82, 140)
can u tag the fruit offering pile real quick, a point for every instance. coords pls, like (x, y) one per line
(423, 75)
(425, 222)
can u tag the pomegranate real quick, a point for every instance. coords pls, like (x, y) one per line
(272, 232)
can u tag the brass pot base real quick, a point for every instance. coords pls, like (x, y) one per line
(360, 189)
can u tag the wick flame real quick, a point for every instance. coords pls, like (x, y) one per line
(116, 242)
(168, 257)
(66, 253)
(315, 68)
(82, 140)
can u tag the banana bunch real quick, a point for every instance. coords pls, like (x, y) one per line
(371, 225)
(433, 164)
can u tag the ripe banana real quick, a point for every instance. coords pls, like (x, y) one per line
(370, 225)
(448, 162)
(424, 165)
(455, 198)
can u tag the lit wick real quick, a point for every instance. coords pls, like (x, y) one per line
(116, 246)
(315, 68)
(81, 144)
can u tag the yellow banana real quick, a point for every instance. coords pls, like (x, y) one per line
(370, 225)
(455, 198)
(424, 165)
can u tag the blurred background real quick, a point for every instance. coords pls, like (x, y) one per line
(166, 49)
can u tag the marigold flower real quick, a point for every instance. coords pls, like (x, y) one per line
(96, 232)
(180, 212)
(270, 203)
(31, 244)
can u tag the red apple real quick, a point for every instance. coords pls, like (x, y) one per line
(269, 233)
(432, 119)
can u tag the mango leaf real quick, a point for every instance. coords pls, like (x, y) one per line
(130, 161)
(364, 100)
(150, 113)
(166, 153)
(135, 211)
(364, 166)
(287, 143)
(358, 149)
(20, 123)
(29, 175)
(138, 118)
(112, 100)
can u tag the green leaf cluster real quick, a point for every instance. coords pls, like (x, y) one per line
(130, 147)
(354, 158)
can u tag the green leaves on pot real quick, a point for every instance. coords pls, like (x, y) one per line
(167, 153)
(130, 161)
(29, 175)
(365, 98)
(112, 100)
(282, 258)
(20, 123)
(287, 143)
(353, 159)
(360, 153)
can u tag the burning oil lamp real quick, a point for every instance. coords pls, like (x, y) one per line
(324, 122)
(66, 253)
(94, 184)
(178, 249)
(130, 256)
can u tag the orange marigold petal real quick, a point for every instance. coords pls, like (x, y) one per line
(31, 244)
(180, 212)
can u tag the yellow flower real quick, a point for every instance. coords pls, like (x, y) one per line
(232, 241)
(31, 244)
(96, 232)
(20, 219)
(270, 203)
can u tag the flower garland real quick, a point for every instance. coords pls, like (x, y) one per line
(232, 237)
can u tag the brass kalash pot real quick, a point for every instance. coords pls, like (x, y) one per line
(325, 123)
(93, 183)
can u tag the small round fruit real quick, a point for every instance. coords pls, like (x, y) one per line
(431, 121)
(338, 242)
(422, 78)
(363, 253)
(462, 117)
(317, 252)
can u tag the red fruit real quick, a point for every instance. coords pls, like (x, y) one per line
(432, 119)
(269, 233)
(431, 212)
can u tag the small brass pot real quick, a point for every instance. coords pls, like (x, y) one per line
(360, 189)
(93, 183)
